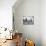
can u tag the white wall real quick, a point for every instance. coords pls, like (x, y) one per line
(29, 8)
(6, 13)
(43, 22)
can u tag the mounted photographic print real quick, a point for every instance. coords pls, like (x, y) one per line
(28, 20)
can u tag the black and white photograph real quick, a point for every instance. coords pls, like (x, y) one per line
(28, 20)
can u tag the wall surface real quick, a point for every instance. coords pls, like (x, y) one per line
(29, 8)
(43, 22)
(32, 8)
(6, 13)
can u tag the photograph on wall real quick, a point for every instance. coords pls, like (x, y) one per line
(28, 20)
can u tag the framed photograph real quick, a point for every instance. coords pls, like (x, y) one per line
(28, 20)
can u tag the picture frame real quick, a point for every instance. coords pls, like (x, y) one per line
(28, 20)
